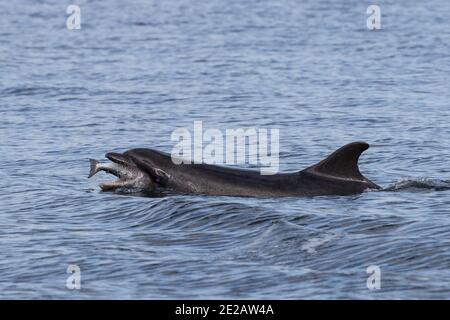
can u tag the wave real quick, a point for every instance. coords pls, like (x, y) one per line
(419, 185)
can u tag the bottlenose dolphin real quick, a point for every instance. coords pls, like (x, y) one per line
(338, 174)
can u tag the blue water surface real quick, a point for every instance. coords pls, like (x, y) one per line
(137, 70)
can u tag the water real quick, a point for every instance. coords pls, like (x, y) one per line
(136, 72)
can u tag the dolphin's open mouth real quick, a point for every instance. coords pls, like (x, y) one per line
(121, 182)
(128, 174)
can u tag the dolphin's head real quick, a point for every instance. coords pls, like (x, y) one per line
(155, 163)
(129, 175)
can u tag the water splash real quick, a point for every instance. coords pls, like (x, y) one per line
(419, 185)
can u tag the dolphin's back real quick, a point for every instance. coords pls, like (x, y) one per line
(337, 174)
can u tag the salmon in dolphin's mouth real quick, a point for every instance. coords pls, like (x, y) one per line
(129, 176)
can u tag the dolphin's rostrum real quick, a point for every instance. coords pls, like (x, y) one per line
(338, 174)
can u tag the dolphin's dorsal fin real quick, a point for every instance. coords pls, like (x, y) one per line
(343, 163)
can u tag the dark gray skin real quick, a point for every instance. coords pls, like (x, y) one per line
(338, 174)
